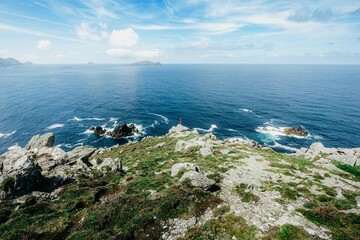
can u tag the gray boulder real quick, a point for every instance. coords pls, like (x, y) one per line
(20, 175)
(198, 180)
(178, 129)
(186, 146)
(317, 147)
(81, 152)
(39, 141)
(177, 167)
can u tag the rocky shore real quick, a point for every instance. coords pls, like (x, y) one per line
(183, 185)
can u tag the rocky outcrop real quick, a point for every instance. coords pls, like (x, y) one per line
(98, 130)
(120, 131)
(198, 179)
(297, 131)
(183, 167)
(41, 167)
(39, 141)
(350, 156)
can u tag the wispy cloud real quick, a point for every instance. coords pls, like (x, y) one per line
(7, 27)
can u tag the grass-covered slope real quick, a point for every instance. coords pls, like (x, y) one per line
(262, 195)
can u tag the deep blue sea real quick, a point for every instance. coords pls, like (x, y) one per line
(247, 101)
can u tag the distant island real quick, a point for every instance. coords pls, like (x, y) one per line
(9, 62)
(147, 63)
(90, 62)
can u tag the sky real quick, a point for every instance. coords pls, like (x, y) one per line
(181, 31)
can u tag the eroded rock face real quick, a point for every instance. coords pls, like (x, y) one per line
(20, 175)
(297, 131)
(39, 141)
(41, 167)
(348, 156)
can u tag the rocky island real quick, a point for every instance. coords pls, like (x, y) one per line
(10, 62)
(183, 185)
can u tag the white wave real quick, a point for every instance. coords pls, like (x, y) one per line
(75, 118)
(5, 135)
(232, 130)
(154, 124)
(14, 147)
(277, 132)
(166, 120)
(68, 145)
(211, 129)
(56, 125)
(246, 110)
(288, 148)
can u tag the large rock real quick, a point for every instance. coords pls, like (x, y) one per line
(317, 147)
(39, 141)
(81, 152)
(186, 146)
(198, 179)
(98, 130)
(49, 158)
(177, 167)
(124, 130)
(178, 129)
(107, 164)
(20, 175)
(297, 131)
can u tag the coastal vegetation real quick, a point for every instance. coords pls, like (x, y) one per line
(183, 185)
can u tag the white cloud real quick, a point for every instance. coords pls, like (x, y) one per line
(44, 45)
(85, 32)
(4, 53)
(123, 38)
(125, 53)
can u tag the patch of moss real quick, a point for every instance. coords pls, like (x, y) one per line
(354, 170)
(288, 231)
(224, 227)
(245, 193)
(342, 225)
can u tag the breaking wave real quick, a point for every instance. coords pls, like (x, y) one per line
(56, 125)
(5, 135)
(75, 118)
(166, 120)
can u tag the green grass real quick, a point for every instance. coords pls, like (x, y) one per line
(354, 170)
(224, 227)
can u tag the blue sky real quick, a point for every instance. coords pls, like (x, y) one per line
(181, 31)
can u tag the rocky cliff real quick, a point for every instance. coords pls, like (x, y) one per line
(183, 185)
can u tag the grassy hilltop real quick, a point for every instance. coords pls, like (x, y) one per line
(235, 190)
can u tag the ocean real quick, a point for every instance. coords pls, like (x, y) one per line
(246, 101)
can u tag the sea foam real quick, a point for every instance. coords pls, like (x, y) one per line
(56, 125)
(5, 135)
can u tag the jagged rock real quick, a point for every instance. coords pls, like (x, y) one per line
(38, 141)
(297, 131)
(81, 152)
(20, 175)
(98, 130)
(49, 158)
(178, 129)
(124, 130)
(177, 167)
(198, 179)
(107, 164)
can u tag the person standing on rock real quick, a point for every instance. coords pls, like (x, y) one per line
(180, 121)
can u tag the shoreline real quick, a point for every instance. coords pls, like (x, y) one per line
(263, 190)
